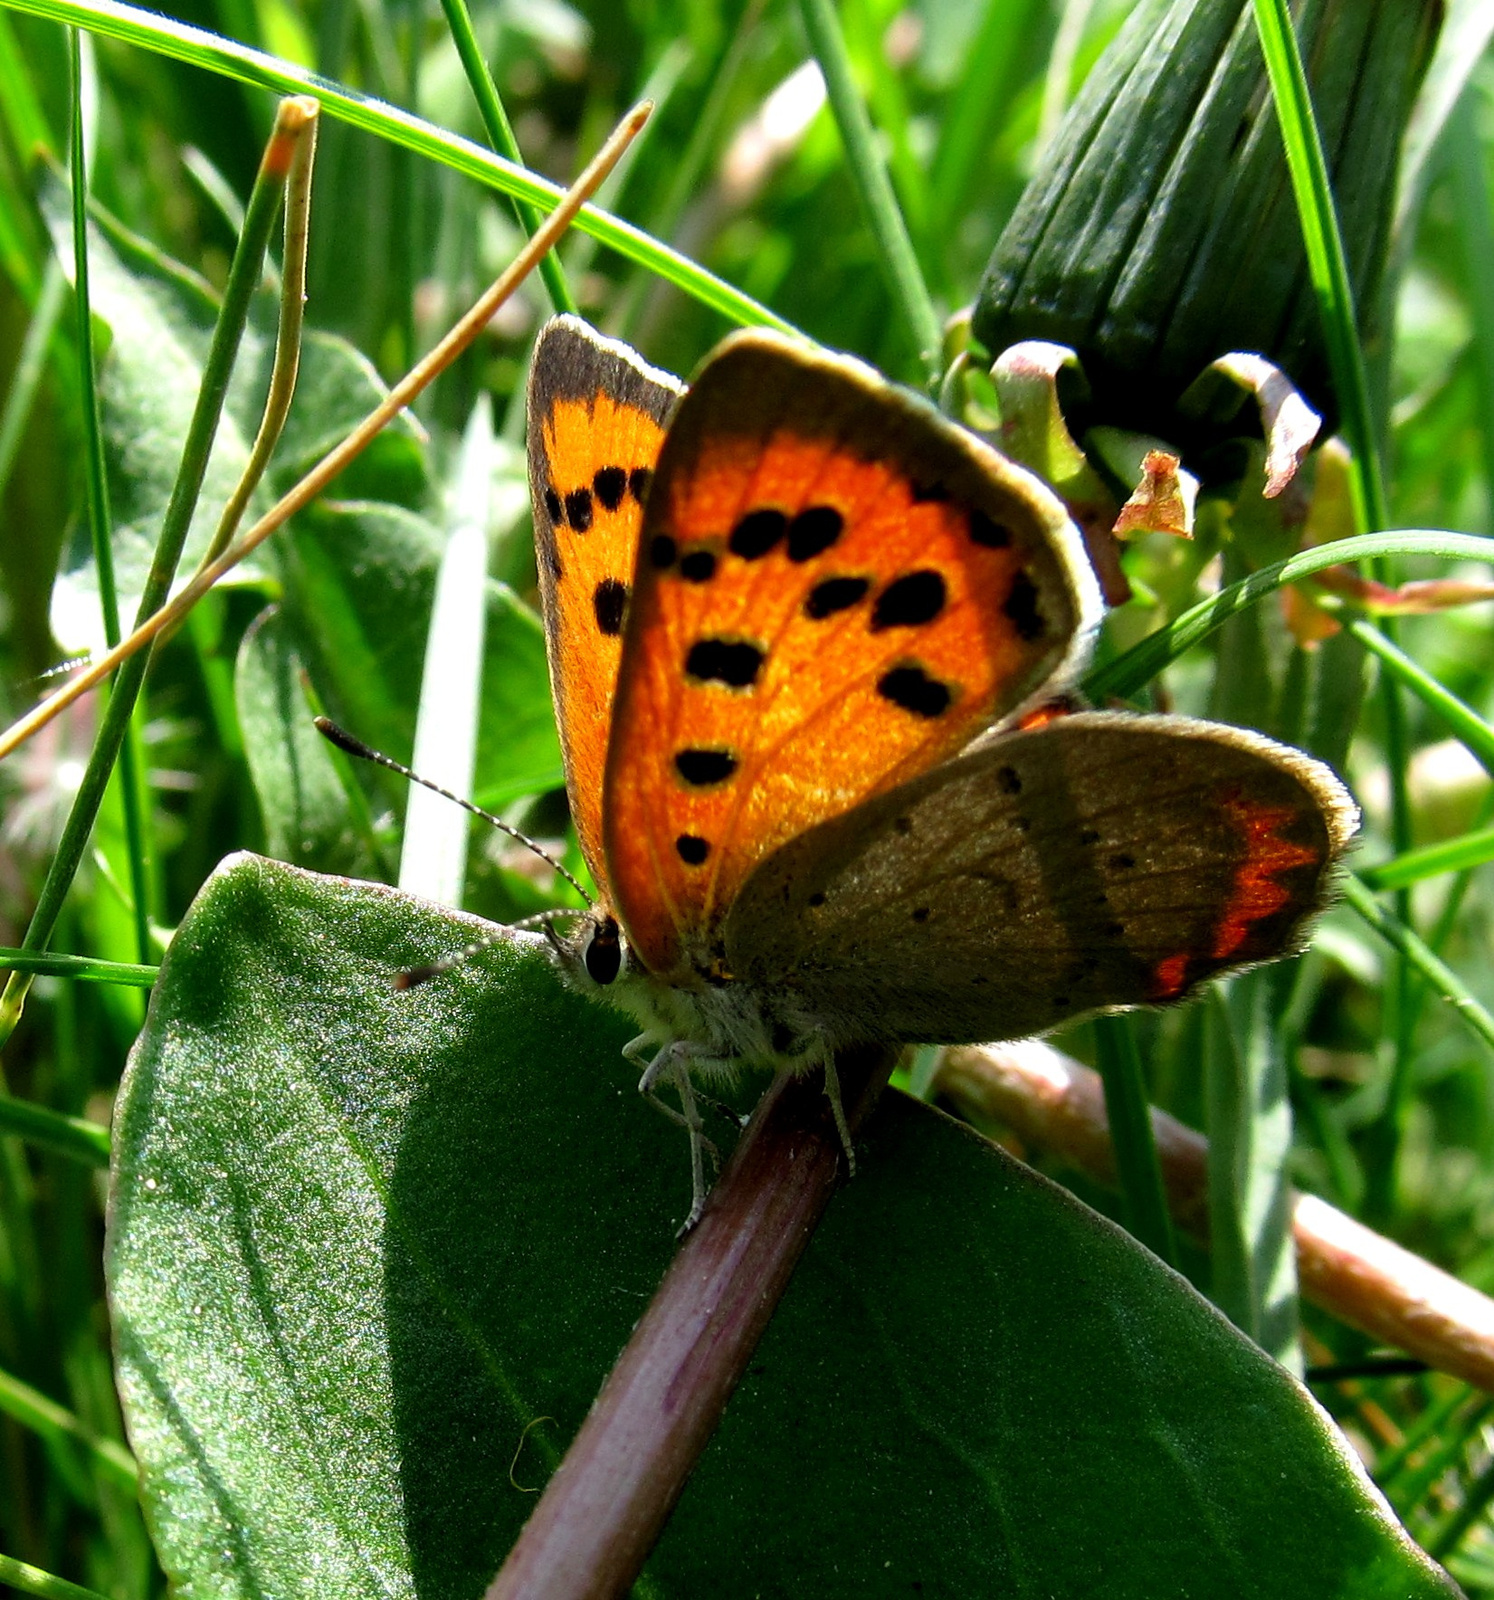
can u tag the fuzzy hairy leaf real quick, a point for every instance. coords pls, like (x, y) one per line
(362, 1241)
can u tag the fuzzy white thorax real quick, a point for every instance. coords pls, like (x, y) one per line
(728, 1023)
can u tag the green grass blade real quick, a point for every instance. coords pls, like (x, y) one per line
(74, 1137)
(1451, 855)
(887, 102)
(1462, 721)
(1443, 980)
(869, 174)
(501, 136)
(87, 969)
(1465, 164)
(1133, 670)
(1328, 269)
(1129, 1115)
(1326, 262)
(57, 1425)
(96, 498)
(196, 46)
(32, 1580)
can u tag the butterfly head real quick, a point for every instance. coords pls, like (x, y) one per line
(594, 954)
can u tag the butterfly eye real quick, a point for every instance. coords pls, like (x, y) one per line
(603, 956)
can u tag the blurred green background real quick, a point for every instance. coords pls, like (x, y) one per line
(743, 170)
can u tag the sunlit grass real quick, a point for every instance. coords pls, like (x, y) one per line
(742, 208)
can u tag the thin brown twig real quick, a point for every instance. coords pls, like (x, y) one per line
(1348, 1270)
(403, 393)
(299, 157)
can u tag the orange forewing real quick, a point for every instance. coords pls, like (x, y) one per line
(836, 590)
(596, 422)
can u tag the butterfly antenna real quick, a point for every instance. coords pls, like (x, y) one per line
(366, 752)
(542, 919)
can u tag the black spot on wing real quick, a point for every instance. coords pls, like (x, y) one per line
(813, 531)
(661, 551)
(734, 662)
(910, 601)
(578, 509)
(692, 849)
(554, 509)
(757, 533)
(987, 531)
(610, 603)
(699, 566)
(1021, 606)
(834, 594)
(1008, 780)
(910, 687)
(638, 481)
(702, 768)
(609, 485)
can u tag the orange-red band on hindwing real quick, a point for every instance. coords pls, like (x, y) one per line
(1256, 894)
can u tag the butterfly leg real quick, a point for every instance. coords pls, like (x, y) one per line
(635, 1049)
(837, 1108)
(674, 1062)
(664, 1065)
(818, 1052)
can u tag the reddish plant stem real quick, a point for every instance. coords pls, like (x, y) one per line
(600, 1514)
(1359, 1276)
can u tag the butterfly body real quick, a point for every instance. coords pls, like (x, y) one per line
(797, 621)
(720, 1021)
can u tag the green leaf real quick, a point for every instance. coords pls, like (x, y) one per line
(336, 387)
(360, 580)
(363, 1241)
(301, 799)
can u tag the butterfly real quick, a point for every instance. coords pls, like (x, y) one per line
(801, 629)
